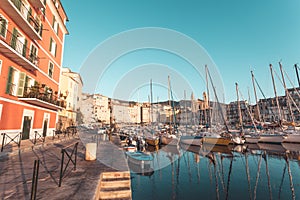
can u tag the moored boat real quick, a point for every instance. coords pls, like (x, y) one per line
(252, 139)
(154, 141)
(169, 140)
(140, 158)
(272, 138)
(191, 140)
(292, 138)
(217, 139)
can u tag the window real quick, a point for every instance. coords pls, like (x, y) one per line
(56, 3)
(50, 70)
(18, 42)
(53, 47)
(33, 54)
(15, 82)
(3, 26)
(55, 25)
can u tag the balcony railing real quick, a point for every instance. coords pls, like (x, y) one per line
(15, 42)
(43, 97)
(27, 14)
(21, 14)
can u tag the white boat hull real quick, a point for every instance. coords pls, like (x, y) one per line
(292, 138)
(275, 139)
(252, 139)
(191, 140)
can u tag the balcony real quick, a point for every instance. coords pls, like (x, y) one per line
(38, 3)
(12, 47)
(21, 15)
(43, 97)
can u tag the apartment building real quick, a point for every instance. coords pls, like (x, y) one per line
(71, 89)
(101, 109)
(32, 35)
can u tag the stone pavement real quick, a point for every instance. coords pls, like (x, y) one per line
(16, 169)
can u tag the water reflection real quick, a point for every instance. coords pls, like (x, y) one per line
(259, 171)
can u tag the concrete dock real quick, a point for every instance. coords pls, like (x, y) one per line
(104, 178)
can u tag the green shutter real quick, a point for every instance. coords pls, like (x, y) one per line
(29, 14)
(53, 21)
(3, 27)
(51, 40)
(13, 42)
(57, 29)
(26, 82)
(8, 83)
(21, 84)
(55, 50)
(24, 48)
(41, 30)
(18, 4)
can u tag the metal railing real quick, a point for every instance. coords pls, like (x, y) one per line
(35, 178)
(14, 42)
(44, 95)
(16, 139)
(38, 137)
(70, 158)
(27, 14)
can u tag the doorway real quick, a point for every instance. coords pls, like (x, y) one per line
(45, 127)
(26, 127)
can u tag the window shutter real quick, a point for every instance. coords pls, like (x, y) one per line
(13, 42)
(51, 40)
(24, 48)
(21, 84)
(8, 83)
(3, 27)
(55, 50)
(53, 21)
(41, 30)
(29, 14)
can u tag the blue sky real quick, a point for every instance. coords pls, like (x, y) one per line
(238, 35)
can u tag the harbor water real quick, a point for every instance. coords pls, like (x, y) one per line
(258, 171)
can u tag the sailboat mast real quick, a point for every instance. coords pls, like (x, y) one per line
(185, 109)
(207, 91)
(239, 106)
(151, 101)
(275, 92)
(296, 69)
(169, 97)
(256, 99)
(220, 108)
(287, 95)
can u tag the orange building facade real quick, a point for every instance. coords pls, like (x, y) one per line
(32, 34)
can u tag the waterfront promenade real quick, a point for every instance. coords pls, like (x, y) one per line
(17, 164)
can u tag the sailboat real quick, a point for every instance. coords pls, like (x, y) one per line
(293, 135)
(224, 138)
(275, 137)
(151, 139)
(192, 139)
(170, 138)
